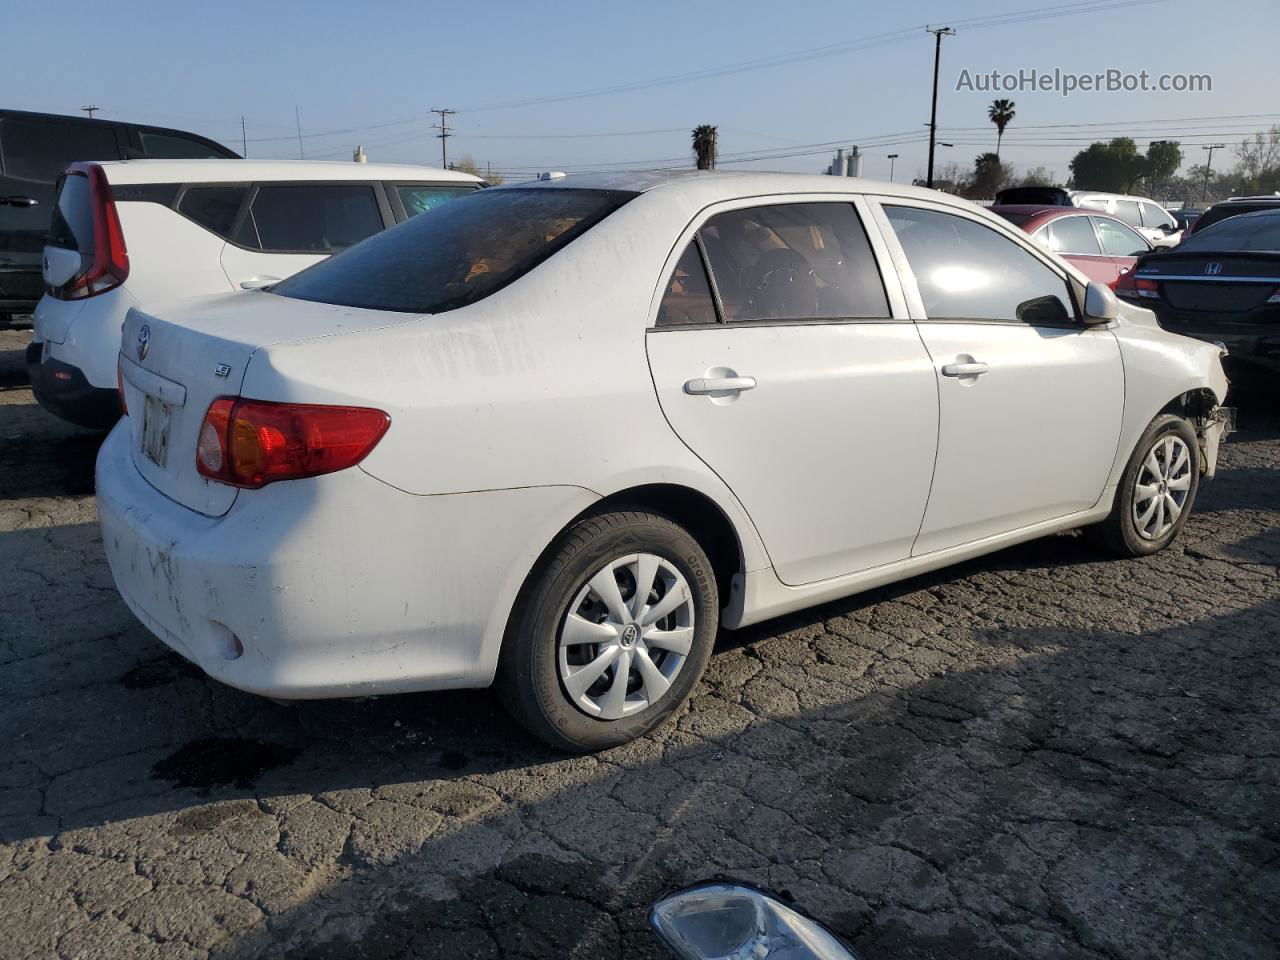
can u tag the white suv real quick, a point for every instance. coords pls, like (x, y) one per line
(137, 232)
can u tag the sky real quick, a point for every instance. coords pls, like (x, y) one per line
(785, 83)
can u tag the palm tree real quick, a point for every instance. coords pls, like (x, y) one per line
(1001, 114)
(705, 137)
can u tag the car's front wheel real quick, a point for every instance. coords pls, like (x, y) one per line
(1156, 491)
(611, 633)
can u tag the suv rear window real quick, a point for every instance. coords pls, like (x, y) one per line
(462, 253)
(41, 149)
(165, 146)
(72, 226)
(214, 208)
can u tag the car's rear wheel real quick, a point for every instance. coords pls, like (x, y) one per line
(611, 632)
(1156, 492)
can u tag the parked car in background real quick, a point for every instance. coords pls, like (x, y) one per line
(1234, 207)
(34, 150)
(1103, 248)
(521, 437)
(1222, 284)
(1146, 216)
(1186, 217)
(135, 232)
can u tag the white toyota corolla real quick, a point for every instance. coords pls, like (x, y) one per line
(555, 434)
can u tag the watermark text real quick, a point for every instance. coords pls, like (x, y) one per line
(1065, 83)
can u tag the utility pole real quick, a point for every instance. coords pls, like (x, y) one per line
(1208, 168)
(91, 110)
(445, 133)
(892, 157)
(938, 34)
(244, 139)
(298, 122)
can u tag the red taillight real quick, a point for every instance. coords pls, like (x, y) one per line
(109, 266)
(250, 443)
(1134, 287)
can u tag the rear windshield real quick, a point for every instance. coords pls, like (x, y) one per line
(1224, 211)
(1053, 196)
(1017, 219)
(461, 253)
(1260, 231)
(72, 227)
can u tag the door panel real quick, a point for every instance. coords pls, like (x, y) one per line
(1031, 439)
(831, 452)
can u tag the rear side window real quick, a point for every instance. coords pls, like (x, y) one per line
(967, 271)
(1072, 235)
(310, 218)
(1119, 240)
(462, 253)
(421, 197)
(214, 208)
(41, 149)
(1153, 216)
(688, 296)
(1127, 210)
(794, 261)
(72, 226)
(162, 146)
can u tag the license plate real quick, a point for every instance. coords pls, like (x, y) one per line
(155, 430)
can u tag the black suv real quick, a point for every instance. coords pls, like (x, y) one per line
(34, 150)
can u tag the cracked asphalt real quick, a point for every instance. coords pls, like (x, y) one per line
(1043, 753)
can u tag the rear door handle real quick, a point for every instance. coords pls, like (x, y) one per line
(19, 202)
(257, 283)
(974, 369)
(704, 385)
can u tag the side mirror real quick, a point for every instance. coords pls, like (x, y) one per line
(724, 919)
(1100, 304)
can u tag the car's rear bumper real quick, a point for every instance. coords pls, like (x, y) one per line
(329, 587)
(62, 389)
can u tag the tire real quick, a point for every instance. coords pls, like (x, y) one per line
(1130, 530)
(545, 652)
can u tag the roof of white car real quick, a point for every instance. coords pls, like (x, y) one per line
(224, 170)
(712, 186)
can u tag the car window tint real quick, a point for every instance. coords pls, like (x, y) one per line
(161, 146)
(462, 253)
(1119, 240)
(419, 198)
(795, 261)
(72, 226)
(315, 219)
(41, 149)
(214, 208)
(688, 296)
(1072, 235)
(1127, 211)
(1256, 231)
(965, 270)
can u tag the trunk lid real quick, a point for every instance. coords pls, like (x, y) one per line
(176, 362)
(1214, 282)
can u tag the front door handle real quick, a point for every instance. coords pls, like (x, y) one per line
(972, 369)
(704, 385)
(19, 202)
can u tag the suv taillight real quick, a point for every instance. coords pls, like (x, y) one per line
(109, 264)
(250, 443)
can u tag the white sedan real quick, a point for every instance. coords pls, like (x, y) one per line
(556, 434)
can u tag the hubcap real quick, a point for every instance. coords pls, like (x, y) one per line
(626, 635)
(1161, 488)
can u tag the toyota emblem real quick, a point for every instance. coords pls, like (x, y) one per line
(144, 341)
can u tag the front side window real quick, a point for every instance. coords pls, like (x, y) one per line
(421, 197)
(688, 296)
(1073, 235)
(1119, 240)
(214, 208)
(310, 218)
(1153, 216)
(41, 149)
(967, 271)
(462, 253)
(794, 261)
